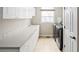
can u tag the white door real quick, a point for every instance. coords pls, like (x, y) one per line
(66, 30)
(70, 29)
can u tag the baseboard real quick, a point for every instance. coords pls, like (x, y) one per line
(46, 36)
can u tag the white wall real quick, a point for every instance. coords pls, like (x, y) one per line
(45, 28)
(36, 19)
(58, 13)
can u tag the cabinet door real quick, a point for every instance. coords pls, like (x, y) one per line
(24, 12)
(9, 12)
(1, 31)
(5, 12)
(30, 12)
(18, 12)
(33, 11)
(1, 24)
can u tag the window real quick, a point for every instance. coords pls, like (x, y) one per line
(47, 8)
(47, 15)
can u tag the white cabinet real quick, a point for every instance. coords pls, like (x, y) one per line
(31, 11)
(18, 12)
(5, 12)
(9, 12)
(22, 12)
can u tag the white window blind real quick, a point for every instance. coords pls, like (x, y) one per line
(47, 16)
(47, 13)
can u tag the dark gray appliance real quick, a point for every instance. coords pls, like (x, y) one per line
(58, 35)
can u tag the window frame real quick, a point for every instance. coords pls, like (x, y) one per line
(51, 10)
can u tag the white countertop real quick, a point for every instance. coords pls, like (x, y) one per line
(16, 38)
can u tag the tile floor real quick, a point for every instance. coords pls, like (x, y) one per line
(46, 45)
